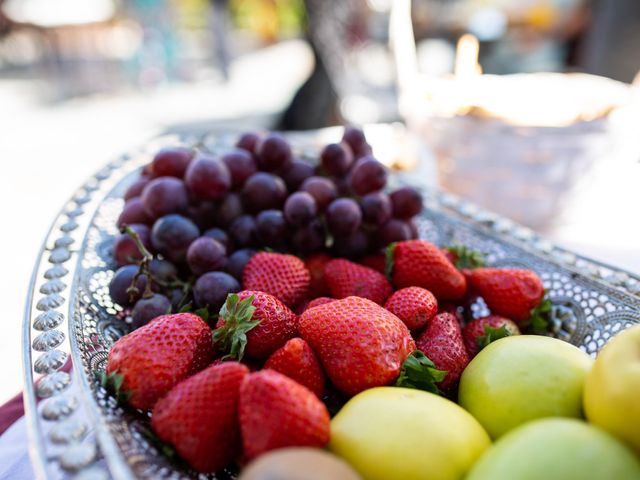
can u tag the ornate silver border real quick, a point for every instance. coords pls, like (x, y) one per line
(67, 436)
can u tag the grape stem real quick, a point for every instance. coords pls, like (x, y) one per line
(144, 264)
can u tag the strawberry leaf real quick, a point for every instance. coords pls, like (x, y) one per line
(491, 335)
(231, 337)
(466, 257)
(419, 372)
(538, 322)
(203, 313)
(167, 450)
(112, 383)
(186, 308)
(388, 257)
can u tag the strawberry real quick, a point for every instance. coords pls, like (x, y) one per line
(442, 343)
(415, 306)
(157, 356)
(463, 257)
(377, 262)
(315, 264)
(418, 263)
(319, 301)
(296, 360)
(277, 412)
(511, 292)
(283, 276)
(346, 279)
(360, 344)
(199, 417)
(253, 321)
(480, 332)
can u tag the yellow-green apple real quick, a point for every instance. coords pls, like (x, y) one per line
(612, 389)
(522, 378)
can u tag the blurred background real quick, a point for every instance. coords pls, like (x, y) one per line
(83, 80)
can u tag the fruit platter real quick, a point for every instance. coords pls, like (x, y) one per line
(285, 306)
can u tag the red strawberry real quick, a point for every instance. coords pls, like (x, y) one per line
(418, 263)
(260, 325)
(199, 417)
(156, 357)
(377, 262)
(283, 276)
(347, 279)
(319, 301)
(442, 342)
(296, 360)
(360, 344)
(415, 306)
(480, 332)
(509, 292)
(315, 264)
(277, 412)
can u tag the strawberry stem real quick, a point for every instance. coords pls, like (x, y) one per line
(419, 372)
(540, 316)
(491, 335)
(112, 383)
(231, 337)
(388, 257)
(466, 257)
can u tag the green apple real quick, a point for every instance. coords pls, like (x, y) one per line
(390, 433)
(612, 389)
(557, 449)
(521, 378)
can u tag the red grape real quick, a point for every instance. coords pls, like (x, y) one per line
(171, 236)
(343, 217)
(376, 208)
(248, 141)
(241, 166)
(237, 261)
(354, 137)
(300, 208)
(336, 159)
(271, 228)
(146, 309)
(273, 152)
(228, 209)
(321, 189)
(162, 271)
(134, 212)
(120, 283)
(135, 190)
(208, 178)
(203, 213)
(221, 237)
(295, 173)
(171, 162)
(125, 250)
(407, 202)
(353, 246)
(309, 238)
(243, 231)
(165, 195)
(206, 255)
(368, 175)
(263, 191)
(393, 231)
(212, 288)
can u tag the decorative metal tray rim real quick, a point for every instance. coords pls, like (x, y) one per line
(69, 431)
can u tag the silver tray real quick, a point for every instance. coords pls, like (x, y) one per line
(76, 431)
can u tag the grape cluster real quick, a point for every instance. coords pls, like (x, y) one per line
(193, 220)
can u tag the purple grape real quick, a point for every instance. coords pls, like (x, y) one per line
(273, 152)
(135, 190)
(162, 271)
(271, 228)
(206, 255)
(203, 213)
(241, 166)
(376, 208)
(353, 246)
(407, 202)
(368, 175)
(309, 238)
(354, 137)
(146, 309)
(414, 229)
(171, 162)
(295, 173)
(228, 209)
(243, 231)
(125, 250)
(178, 298)
(248, 141)
(165, 195)
(343, 217)
(120, 283)
(208, 178)
(321, 189)
(300, 208)
(237, 261)
(393, 231)
(221, 237)
(343, 187)
(264, 191)
(336, 159)
(171, 236)
(211, 289)
(134, 212)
